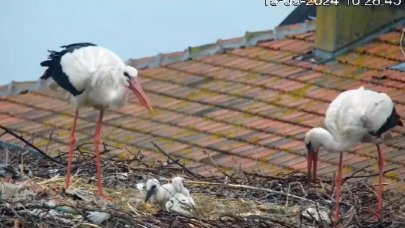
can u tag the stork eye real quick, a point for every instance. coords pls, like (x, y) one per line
(126, 75)
(308, 146)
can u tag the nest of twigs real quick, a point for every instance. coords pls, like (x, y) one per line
(239, 199)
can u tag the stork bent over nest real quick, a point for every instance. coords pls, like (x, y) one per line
(358, 115)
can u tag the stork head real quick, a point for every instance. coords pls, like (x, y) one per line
(177, 183)
(151, 187)
(131, 79)
(313, 141)
(315, 138)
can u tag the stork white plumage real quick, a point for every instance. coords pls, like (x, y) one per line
(181, 204)
(158, 194)
(161, 194)
(96, 77)
(355, 116)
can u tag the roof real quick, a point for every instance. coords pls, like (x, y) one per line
(232, 108)
(300, 14)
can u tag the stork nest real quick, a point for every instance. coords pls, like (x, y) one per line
(239, 199)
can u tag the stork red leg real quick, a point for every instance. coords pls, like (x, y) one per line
(72, 145)
(97, 141)
(380, 179)
(338, 183)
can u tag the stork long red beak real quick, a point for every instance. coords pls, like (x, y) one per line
(135, 87)
(312, 159)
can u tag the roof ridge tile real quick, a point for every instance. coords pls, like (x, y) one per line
(248, 40)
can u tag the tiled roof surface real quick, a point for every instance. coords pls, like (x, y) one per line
(246, 108)
(300, 14)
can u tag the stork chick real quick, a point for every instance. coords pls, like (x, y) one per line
(181, 204)
(160, 194)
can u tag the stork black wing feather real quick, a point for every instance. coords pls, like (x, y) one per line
(392, 121)
(54, 69)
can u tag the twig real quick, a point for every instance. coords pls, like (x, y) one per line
(239, 169)
(50, 138)
(351, 210)
(219, 169)
(319, 215)
(251, 188)
(400, 42)
(302, 189)
(257, 164)
(263, 176)
(354, 203)
(15, 212)
(29, 144)
(89, 224)
(288, 192)
(365, 176)
(175, 161)
(132, 209)
(354, 173)
(274, 219)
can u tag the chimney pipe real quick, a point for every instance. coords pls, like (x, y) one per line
(341, 28)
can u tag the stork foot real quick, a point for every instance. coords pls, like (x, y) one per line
(104, 197)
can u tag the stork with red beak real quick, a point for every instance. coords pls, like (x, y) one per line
(355, 116)
(95, 77)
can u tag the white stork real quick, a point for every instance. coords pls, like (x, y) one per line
(161, 194)
(181, 204)
(358, 115)
(95, 77)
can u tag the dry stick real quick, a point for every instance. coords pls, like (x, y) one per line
(363, 176)
(263, 176)
(29, 144)
(220, 170)
(356, 207)
(352, 208)
(175, 161)
(274, 219)
(389, 204)
(50, 139)
(354, 173)
(400, 42)
(302, 189)
(288, 192)
(319, 214)
(257, 164)
(3, 134)
(251, 188)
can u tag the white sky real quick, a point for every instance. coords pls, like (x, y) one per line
(131, 28)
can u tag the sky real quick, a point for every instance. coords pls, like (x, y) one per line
(131, 28)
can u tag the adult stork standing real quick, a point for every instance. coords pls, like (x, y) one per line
(95, 77)
(358, 115)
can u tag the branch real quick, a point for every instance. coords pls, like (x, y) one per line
(251, 188)
(364, 176)
(219, 169)
(29, 144)
(400, 42)
(175, 161)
